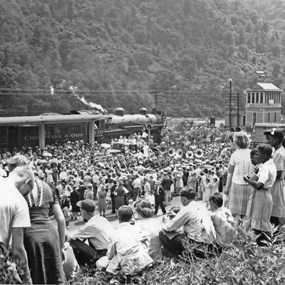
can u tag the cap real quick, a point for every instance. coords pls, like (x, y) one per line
(88, 205)
(275, 132)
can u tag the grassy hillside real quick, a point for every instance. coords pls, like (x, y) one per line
(121, 53)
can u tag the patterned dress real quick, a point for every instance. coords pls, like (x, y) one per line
(102, 201)
(41, 239)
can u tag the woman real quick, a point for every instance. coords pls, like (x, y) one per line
(240, 165)
(260, 205)
(74, 198)
(119, 193)
(89, 194)
(275, 137)
(102, 200)
(42, 241)
(145, 211)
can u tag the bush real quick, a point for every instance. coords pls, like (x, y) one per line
(242, 264)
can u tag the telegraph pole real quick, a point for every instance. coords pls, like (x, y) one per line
(230, 103)
(156, 100)
(238, 110)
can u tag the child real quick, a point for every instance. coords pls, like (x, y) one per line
(223, 221)
(65, 205)
(150, 197)
(102, 200)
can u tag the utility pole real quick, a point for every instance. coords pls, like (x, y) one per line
(230, 103)
(156, 100)
(238, 110)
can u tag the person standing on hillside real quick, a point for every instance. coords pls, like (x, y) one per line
(274, 138)
(14, 215)
(166, 184)
(239, 166)
(159, 197)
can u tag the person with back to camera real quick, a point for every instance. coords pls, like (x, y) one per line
(260, 205)
(14, 215)
(223, 221)
(159, 195)
(193, 223)
(145, 212)
(274, 138)
(43, 242)
(128, 249)
(240, 165)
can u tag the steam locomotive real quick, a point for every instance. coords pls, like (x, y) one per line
(120, 124)
(87, 126)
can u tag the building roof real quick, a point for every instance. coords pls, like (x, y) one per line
(51, 119)
(266, 87)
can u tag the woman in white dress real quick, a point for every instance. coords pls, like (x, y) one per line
(274, 138)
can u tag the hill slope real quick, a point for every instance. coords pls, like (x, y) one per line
(121, 53)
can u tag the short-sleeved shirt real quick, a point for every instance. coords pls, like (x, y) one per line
(98, 230)
(279, 160)
(14, 211)
(223, 222)
(267, 174)
(240, 159)
(196, 221)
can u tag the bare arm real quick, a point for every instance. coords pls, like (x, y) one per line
(279, 172)
(59, 217)
(257, 185)
(229, 179)
(20, 254)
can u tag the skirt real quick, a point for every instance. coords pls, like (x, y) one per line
(278, 196)
(259, 210)
(44, 255)
(238, 198)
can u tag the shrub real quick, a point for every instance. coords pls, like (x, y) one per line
(243, 263)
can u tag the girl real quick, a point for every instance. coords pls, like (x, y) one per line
(260, 204)
(102, 201)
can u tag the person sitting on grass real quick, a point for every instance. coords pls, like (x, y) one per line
(192, 223)
(223, 221)
(128, 249)
(97, 230)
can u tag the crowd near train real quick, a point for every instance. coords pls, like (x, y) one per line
(87, 125)
(221, 181)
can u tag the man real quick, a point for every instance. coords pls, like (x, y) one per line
(14, 215)
(274, 138)
(146, 188)
(166, 184)
(159, 197)
(197, 226)
(136, 187)
(97, 230)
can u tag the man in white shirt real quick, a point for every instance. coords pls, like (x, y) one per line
(136, 187)
(97, 230)
(14, 215)
(192, 222)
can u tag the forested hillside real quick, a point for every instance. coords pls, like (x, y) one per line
(122, 52)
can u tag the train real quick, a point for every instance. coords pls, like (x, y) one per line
(86, 125)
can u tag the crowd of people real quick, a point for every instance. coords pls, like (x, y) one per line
(218, 188)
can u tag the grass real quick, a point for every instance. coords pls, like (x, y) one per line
(244, 263)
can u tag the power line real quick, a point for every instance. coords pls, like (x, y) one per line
(106, 94)
(67, 91)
